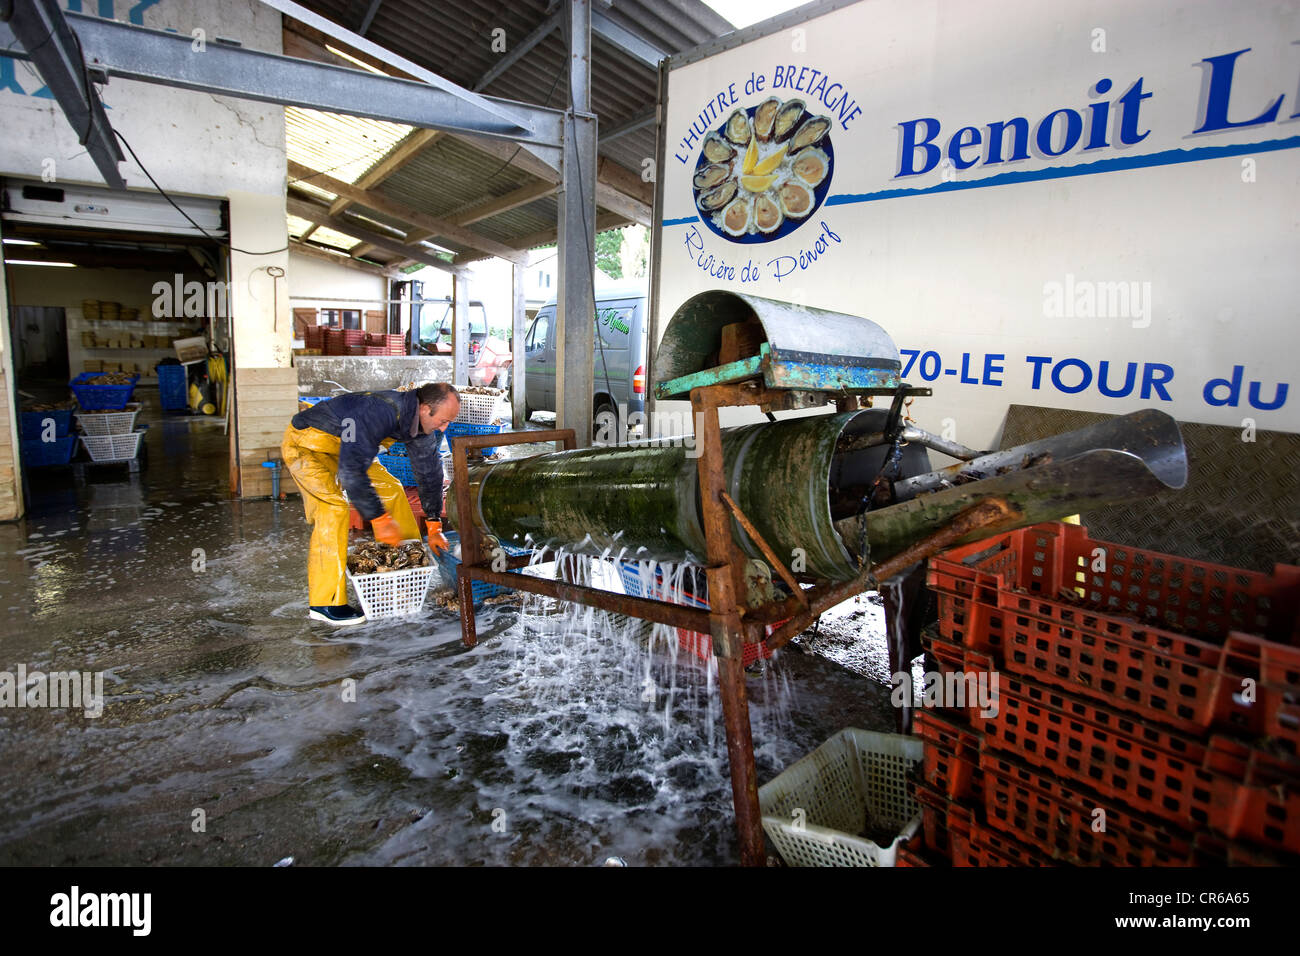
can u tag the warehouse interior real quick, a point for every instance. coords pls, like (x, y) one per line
(795, 567)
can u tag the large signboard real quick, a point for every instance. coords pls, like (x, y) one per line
(1090, 205)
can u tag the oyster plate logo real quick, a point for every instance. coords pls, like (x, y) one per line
(764, 172)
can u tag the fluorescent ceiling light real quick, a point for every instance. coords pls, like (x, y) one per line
(40, 262)
(21, 242)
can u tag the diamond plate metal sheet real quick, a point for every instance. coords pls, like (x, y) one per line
(1241, 506)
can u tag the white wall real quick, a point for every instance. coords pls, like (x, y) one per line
(321, 283)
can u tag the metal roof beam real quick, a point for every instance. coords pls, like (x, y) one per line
(390, 207)
(49, 42)
(640, 121)
(506, 114)
(369, 17)
(318, 214)
(341, 259)
(156, 56)
(521, 50)
(626, 40)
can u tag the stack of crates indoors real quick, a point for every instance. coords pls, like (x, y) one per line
(47, 437)
(107, 417)
(111, 435)
(1147, 708)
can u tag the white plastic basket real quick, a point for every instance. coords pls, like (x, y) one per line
(817, 810)
(109, 423)
(484, 409)
(113, 447)
(393, 593)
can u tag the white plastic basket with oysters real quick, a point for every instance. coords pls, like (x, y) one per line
(390, 580)
(761, 172)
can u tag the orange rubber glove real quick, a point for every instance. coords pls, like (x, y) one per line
(385, 529)
(437, 542)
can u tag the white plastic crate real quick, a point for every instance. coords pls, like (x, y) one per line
(817, 810)
(393, 593)
(484, 409)
(109, 423)
(113, 447)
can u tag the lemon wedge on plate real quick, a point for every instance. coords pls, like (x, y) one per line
(768, 165)
(757, 184)
(751, 157)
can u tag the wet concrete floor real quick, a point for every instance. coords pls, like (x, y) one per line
(229, 735)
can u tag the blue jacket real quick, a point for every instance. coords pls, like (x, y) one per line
(375, 416)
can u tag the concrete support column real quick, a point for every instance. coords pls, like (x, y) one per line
(576, 203)
(460, 329)
(517, 329)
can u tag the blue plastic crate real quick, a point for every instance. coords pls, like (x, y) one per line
(482, 590)
(630, 572)
(464, 428)
(34, 423)
(399, 466)
(58, 452)
(172, 388)
(98, 398)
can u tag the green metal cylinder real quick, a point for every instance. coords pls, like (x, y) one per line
(642, 501)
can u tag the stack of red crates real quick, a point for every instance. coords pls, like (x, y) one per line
(1148, 708)
(335, 343)
(385, 343)
(314, 337)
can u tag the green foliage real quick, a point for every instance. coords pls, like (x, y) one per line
(608, 245)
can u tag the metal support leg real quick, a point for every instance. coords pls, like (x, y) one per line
(728, 635)
(465, 594)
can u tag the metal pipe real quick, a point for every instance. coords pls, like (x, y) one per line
(641, 501)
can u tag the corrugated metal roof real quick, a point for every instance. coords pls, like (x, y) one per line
(455, 40)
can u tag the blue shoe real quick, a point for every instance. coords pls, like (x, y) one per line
(340, 615)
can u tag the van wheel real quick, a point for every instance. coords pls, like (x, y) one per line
(604, 421)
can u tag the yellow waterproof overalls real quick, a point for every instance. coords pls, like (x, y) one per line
(312, 457)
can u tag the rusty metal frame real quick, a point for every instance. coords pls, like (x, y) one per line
(729, 621)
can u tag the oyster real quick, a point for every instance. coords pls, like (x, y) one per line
(811, 166)
(712, 175)
(717, 150)
(737, 129)
(764, 117)
(810, 132)
(717, 198)
(787, 120)
(735, 218)
(796, 199)
(767, 214)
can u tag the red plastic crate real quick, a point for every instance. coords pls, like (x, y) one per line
(1190, 684)
(951, 755)
(1119, 755)
(963, 840)
(1256, 796)
(1123, 588)
(1057, 817)
(985, 846)
(912, 853)
(936, 827)
(1211, 849)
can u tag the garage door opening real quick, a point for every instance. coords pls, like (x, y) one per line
(105, 293)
